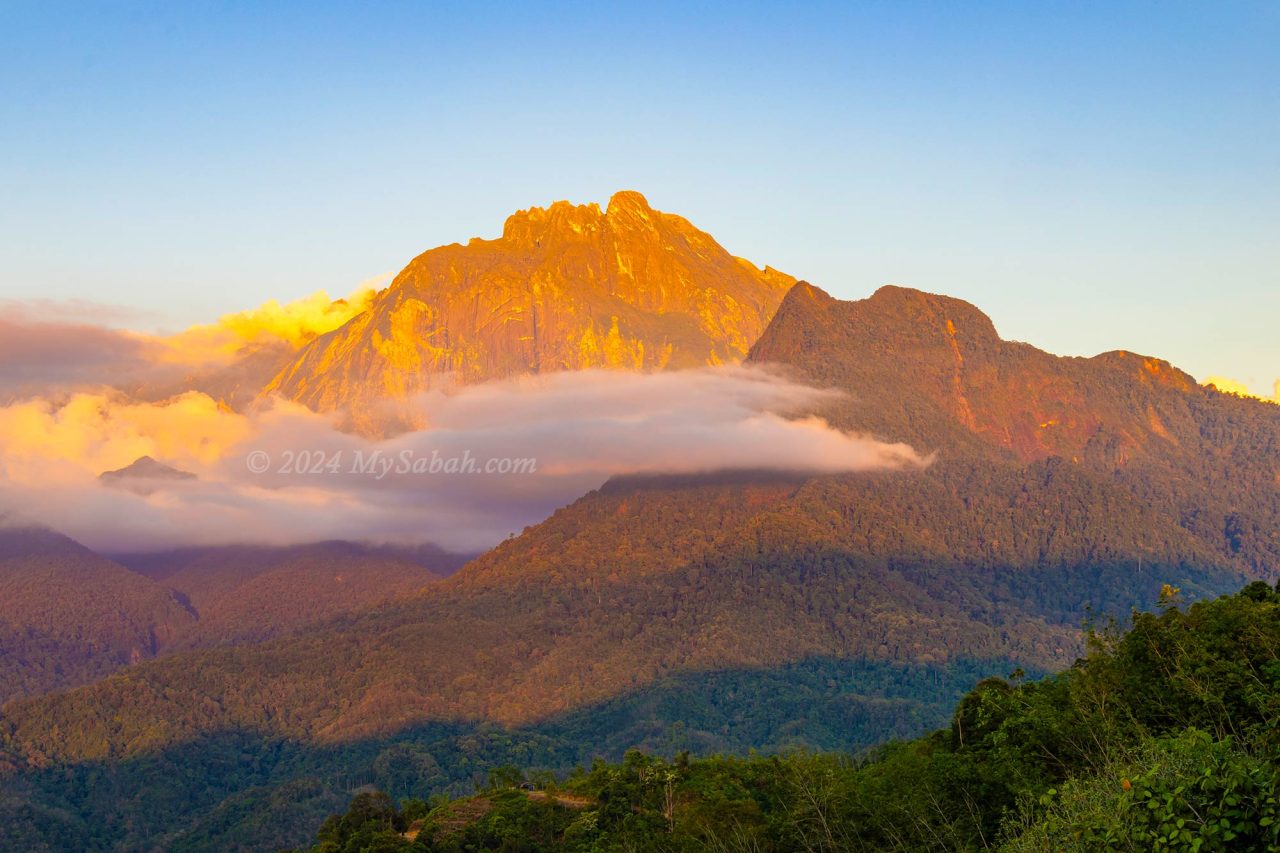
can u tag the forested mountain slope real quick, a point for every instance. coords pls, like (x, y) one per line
(1161, 739)
(253, 593)
(69, 616)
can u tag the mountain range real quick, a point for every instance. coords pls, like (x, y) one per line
(725, 610)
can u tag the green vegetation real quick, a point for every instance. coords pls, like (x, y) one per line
(244, 790)
(1161, 738)
(710, 614)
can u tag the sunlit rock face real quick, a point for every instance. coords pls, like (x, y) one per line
(931, 370)
(567, 287)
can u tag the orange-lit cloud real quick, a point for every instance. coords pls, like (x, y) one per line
(293, 323)
(581, 428)
(73, 440)
(1232, 386)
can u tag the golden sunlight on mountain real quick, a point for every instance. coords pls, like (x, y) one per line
(566, 287)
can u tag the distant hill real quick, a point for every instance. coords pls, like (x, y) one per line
(144, 475)
(145, 467)
(252, 593)
(566, 287)
(69, 616)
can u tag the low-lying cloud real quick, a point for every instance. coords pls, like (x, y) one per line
(283, 474)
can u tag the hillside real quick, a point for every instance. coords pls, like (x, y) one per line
(253, 593)
(566, 287)
(1123, 751)
(69, 616)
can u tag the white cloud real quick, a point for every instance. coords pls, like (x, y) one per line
(580, 427)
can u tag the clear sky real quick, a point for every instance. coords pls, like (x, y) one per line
(1093, 175)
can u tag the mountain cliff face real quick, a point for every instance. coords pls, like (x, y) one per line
(564, 288)
(932, 370)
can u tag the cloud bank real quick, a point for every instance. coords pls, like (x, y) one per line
(282, 474)
(37, 353)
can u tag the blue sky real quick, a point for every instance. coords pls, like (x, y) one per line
(1093, 175)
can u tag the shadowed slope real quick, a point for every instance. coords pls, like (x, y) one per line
(244, 593)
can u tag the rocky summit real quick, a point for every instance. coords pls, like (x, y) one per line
(567, 287)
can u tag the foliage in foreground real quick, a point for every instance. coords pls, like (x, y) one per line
(1161, 738)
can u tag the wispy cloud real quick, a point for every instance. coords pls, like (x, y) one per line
(36, 354)
(73, 311)
(52, 345)
(580, 428)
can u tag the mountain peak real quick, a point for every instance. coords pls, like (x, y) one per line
(628, 201)
(566, 287)
(809, 320)
(1156, 371)
(141, 475)
(802, 292)
(564, 220)
(934, 311)
(561, 219)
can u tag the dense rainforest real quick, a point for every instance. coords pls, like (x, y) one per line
(1161, 737)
